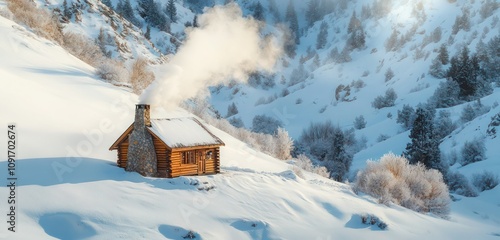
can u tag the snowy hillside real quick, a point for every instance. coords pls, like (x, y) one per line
(69, 187)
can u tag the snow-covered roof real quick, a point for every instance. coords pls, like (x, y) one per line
(183, 132)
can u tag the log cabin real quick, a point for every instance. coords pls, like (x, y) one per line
(167, 147)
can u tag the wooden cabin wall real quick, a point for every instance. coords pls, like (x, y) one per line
(122, 154)
(162, 154)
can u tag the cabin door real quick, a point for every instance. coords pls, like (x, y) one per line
(200, 157)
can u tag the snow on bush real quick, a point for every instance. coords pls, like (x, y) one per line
(385, 101)
(473, 151)
(393, 179)
(303, 162)
(265, 124)
(112, 71)
(359, 122)
(459, 184)
(485, 181)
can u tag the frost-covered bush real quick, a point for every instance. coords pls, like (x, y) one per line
(303, 162)
(387, 100)
(265, 124)
(237, 122)
(359, 122)
(373, 220)
(389, 74)
(140, 76)
(485, 181)
(459, 184)
(470, 112)
(393, 179)
(112, 71)
(473, 151)
(39, 20)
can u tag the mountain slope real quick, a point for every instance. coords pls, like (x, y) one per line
(69, 186)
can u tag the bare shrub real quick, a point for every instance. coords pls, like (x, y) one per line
(83, 48)
(140, 76)
(393, 179)
(41, 21)
(112, 71)
(304, 163)
(485, 181)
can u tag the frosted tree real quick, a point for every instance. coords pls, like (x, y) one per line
(443, 55)
(292, 21)
(444, 124)
(356, 33)
(436, 68)
(171, 10)
(231, 110)
(473, 151)
(149, 10)
(406, 116)
(389, 74)
(284, 144)
(446, 95)
(265, 124)
(424, 146)
(273, 9)
(313, 12)
(125, 9)
(322, 35)
(147, 35)
(338, 159)
(465, 71)
(359, 122)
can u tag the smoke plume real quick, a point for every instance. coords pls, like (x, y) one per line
(224, 47)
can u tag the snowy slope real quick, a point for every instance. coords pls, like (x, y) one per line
(69, 186)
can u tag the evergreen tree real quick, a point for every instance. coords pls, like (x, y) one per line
(313, 12)
(443, 55)
(107, 3)
(436, 68)
(231, 110)
(424, 145)
(195, 21)
(464, 70)
(66, 12)
(354, 23)
(147, 35)
(322, 36)
(292, 21)
(258, 12)
(273, 9)
(171, 10)
(357, 34)
(406, 116)
(338, 159)
(125, 9)
(149, 10)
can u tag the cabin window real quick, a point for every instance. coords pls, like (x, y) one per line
(189, 157)
(209, 155)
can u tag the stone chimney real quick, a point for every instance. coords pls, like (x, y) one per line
(141, 156)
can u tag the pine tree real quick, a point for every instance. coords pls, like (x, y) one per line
(147, 35)
(258, 12)
(125, 9)
(322, 36)
(195, 21)
(107, 3)
(171, 10)
(292, 21)
(357, 34)
(66, 12)
(149, 10)
(231, 110)
(436, 68)
(313, 12)
(273, 9)
(406, 116)
(339, 160)
(443, 55)
(424, 145)
(465, 70)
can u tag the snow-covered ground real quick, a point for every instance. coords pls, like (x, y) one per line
(69, 187)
